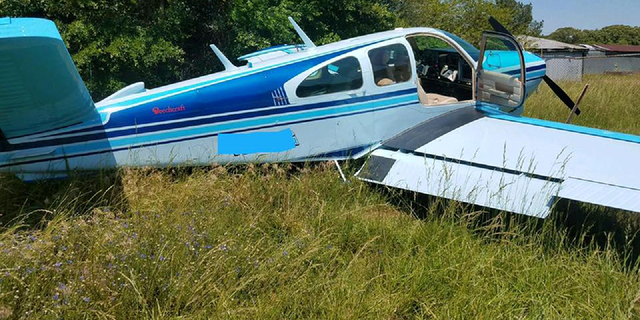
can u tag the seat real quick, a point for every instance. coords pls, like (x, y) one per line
(433, 99)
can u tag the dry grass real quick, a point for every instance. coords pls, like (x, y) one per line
(612, 103)
(275, 242)
(278, 242)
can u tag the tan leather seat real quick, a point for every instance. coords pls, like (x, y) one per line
(438, 99)
(433, 99)
(385, 82)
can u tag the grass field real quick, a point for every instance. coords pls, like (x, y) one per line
(612, 103)
(281, 242)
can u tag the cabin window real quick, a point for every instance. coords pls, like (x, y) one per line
(444, 76)
(339, 76)
(390, 64)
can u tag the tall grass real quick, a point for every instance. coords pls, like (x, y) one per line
(281, 242)
(275, 242)
(612, 103)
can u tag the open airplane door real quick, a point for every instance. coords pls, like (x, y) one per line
(501, 72)
(488, 156)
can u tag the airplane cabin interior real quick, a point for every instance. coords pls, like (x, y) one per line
(444, 76)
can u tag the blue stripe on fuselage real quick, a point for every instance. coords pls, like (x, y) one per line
(133, 147)
(235, 93)
(210, 120)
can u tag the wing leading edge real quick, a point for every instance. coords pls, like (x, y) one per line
(510, 163)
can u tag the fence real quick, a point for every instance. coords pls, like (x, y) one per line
(572, 68)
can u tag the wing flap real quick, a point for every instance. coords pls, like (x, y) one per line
(607, 195)
(511, 163)
(507, 191)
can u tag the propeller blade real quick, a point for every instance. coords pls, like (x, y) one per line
(498, 27)
(561, 94)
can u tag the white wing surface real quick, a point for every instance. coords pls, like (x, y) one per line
(510, 163)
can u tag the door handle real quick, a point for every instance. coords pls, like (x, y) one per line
(356, 93)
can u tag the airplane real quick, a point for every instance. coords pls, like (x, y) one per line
(431, 113)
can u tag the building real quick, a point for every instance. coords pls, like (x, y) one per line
(609, 58)
(564, 61)
(615, 50)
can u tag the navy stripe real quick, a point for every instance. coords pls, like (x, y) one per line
(536, 78)
(201, 137)
(198, 122)
(536, 68)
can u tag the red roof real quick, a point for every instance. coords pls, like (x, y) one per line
(620, 48)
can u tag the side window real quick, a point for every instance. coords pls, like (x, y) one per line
(339, 76)
(390, 64)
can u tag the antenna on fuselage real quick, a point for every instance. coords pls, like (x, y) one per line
(225, 61)
(305, 38)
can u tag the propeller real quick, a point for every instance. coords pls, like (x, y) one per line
(498, 27)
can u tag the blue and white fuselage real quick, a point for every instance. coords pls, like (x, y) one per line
(436, 115)
(252, 113)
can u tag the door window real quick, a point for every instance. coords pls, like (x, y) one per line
(390, 64)
(501, 75)
(339, 76)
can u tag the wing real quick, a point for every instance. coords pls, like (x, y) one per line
(510, 163)
(40, 88)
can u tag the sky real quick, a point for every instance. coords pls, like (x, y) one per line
(585, 14)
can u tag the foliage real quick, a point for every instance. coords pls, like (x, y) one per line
(617, 34)
(118, 42)
(468, 18)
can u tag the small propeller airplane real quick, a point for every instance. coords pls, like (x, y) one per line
(433, 113)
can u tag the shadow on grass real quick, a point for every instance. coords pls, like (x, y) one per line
(573, 225)
(30, 205)
(601, 226)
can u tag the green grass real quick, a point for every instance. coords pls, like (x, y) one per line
(612, 103)
(280, 242)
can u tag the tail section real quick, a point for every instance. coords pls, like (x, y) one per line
(40, 88)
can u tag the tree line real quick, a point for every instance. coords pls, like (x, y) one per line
(617, 34)
(118, 42)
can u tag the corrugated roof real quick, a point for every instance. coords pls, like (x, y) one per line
(620, 48)
(530, 42)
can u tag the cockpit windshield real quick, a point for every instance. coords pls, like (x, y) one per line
(468, 47)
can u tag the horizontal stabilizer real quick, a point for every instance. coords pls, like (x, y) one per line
(510, 163)
(40, 88)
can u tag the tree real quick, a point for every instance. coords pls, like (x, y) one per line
(568, 35)
(118, 42)
(522, 22)
(617, 34)
(468, 18)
